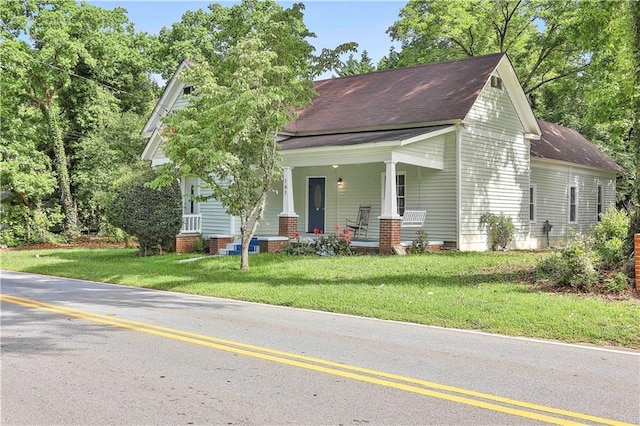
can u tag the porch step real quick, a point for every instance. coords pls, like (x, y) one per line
(235, 248)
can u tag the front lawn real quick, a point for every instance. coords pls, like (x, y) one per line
(479, 291)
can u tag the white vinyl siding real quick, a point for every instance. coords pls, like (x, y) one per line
(159, 153)
(215, 220)
(435, 192)
(552, 186)
(494, 168)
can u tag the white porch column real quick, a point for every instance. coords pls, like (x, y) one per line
(287, 193)
(390, 204)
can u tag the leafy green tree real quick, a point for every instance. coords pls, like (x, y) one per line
(545, 40)
(154, 216)
(26, 178)
(389, 61)
(75, 61)
(97, 160)
(574, 59)
(353, 66)
(203, 35)
(243, 95)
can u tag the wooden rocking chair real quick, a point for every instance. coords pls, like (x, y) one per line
(361, 224)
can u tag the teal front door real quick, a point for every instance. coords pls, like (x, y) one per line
(315, 207)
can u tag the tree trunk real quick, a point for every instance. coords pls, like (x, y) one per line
(70, 224)
(244, 255)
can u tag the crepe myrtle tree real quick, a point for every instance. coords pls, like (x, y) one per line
(243, 96)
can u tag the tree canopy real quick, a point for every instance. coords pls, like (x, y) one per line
(574, 59)
(73, 67)
(251, 74)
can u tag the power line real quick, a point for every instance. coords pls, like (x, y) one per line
(70, 73)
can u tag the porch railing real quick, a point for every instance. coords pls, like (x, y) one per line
(191, 224)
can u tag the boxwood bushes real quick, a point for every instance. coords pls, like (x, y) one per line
(153, 216)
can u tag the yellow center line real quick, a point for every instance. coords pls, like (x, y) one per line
(327, 367)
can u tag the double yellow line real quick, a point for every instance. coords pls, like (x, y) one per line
(407, 384)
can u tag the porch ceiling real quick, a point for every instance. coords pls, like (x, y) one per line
(362, 147)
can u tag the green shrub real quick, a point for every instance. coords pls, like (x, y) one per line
(24, 225)
(420, 244)
(153, 216)
(501, 230)
(609, 238)
(200, 245)
(617, 284)
(574, 265)
(112, 233)
(337, 243)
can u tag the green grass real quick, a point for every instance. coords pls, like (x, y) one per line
(480, 291)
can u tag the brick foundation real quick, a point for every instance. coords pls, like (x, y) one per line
(218, 242)
(287, 226)
(184, 243)
(273, 245)
(389, 235)
(636, 241)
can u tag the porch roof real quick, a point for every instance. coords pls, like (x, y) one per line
(346, 139)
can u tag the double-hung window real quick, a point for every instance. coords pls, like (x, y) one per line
(599, 204)
(573, 204)
(401, 191)
(532, 203)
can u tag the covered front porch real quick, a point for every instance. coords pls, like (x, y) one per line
(406, 177)
(327, 179)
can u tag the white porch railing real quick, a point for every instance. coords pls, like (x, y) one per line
(191, 224)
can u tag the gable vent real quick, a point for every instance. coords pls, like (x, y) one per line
(496, 82)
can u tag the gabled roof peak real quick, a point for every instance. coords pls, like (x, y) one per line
(415, 96)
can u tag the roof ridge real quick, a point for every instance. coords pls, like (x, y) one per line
(425, 65)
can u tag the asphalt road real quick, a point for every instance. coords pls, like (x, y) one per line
(79, 352)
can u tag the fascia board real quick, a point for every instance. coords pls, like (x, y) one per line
(518, 97)
(166, 100)
(151, 145)
(426, 136)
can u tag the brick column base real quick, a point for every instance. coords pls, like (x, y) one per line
(218, 242)
(273, 244)
(287, 226)
(184, 243)
(636, 241)
(389, 235)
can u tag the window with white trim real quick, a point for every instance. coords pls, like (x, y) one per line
(401, 190)
(532, 203)
(573, 204)
(191, 191)
(599, 204)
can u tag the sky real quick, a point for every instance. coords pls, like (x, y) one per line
(333, 22)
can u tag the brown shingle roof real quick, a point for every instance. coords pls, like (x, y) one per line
(416, 95)
(565, 144)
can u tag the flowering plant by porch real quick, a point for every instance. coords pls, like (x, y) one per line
(338, 243)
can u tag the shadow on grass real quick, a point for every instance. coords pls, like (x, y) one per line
(167, 273)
